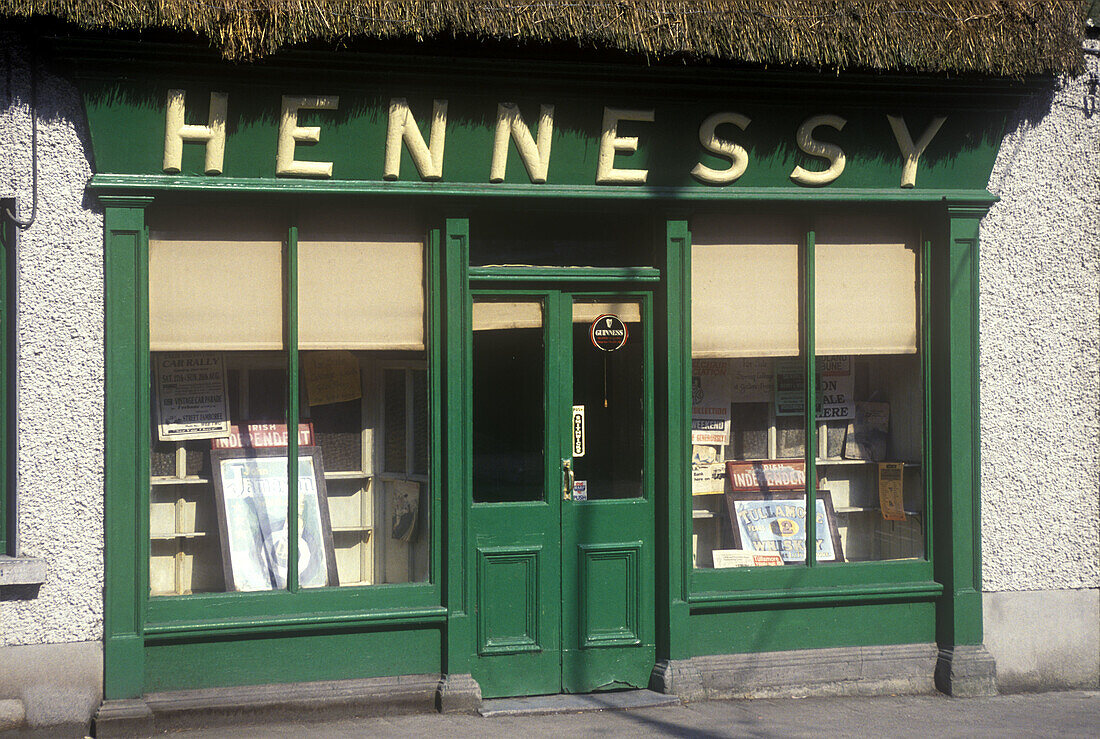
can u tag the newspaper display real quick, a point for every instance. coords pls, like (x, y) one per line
(262, 436)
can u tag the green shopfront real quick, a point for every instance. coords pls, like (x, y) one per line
(549, 336)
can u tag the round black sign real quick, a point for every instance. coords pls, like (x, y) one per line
(608, 333)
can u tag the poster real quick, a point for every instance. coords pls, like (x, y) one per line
(751, 379)
(777, 524)
(331, 377)
(191, 395)
(252, 491)
(710, 402)
(890, 499)
(835, 387)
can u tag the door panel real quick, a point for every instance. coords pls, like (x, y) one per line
(564, 581)
(509, 598)
(517, 574)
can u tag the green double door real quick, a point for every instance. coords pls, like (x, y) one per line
(562, 519)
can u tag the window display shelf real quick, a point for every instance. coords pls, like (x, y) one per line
(870, 509)
(351, 529)
(169, 480)
(177, 535)
(858, 462)
(697, 513)
(346, 475)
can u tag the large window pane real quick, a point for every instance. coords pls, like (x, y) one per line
(748, 408)
(610, 388)
(218, 369)
(870, 428)
(219, 498)
(361, 328)
(508, 407)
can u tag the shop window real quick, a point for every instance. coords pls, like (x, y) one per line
(750, 458)
(222, 401)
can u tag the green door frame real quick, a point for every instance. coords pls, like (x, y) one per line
(575, 664)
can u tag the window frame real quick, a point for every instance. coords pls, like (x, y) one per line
(167, 617)
(707, 588)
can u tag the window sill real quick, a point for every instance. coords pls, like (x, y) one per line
(22, 570)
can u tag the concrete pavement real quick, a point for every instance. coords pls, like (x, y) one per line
(1069, 714)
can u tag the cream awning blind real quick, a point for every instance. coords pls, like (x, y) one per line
(867, 286)
(497, 315)
(215, 281)
(744, 290)
(628, 312)
(361, 294)
(494, 315)
(744, 287)
(220, 286)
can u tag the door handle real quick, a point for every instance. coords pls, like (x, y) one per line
(567, 479)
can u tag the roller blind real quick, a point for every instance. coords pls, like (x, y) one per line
(495, 315)
(220, 285)
(745, 276)
(628, 312)
(867, 286)
(744, 287)
(490, 315)
(215, 281)
(357, 294)
(360, 280)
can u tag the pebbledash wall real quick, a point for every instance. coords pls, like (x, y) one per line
(1040, 387)
(1040, 416)
(51, 634)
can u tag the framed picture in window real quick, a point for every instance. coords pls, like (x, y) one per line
(774, 521)
(252, 492)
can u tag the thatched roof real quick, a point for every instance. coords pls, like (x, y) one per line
(994, 37)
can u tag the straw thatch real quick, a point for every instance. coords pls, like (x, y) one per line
(995, 37)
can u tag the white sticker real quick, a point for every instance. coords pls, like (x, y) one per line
(578, 431)
(580, 490)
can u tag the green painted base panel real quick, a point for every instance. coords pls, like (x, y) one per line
(775, 630)
(534, 673)
(592, 670)
(288, 659)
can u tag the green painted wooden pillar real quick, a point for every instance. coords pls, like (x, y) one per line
(7, 375)
(456, 438)
(126, 475)
(672, 638)
(955, 438)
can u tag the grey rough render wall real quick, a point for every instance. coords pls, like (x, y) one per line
(60, 374)
(1040, 349)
